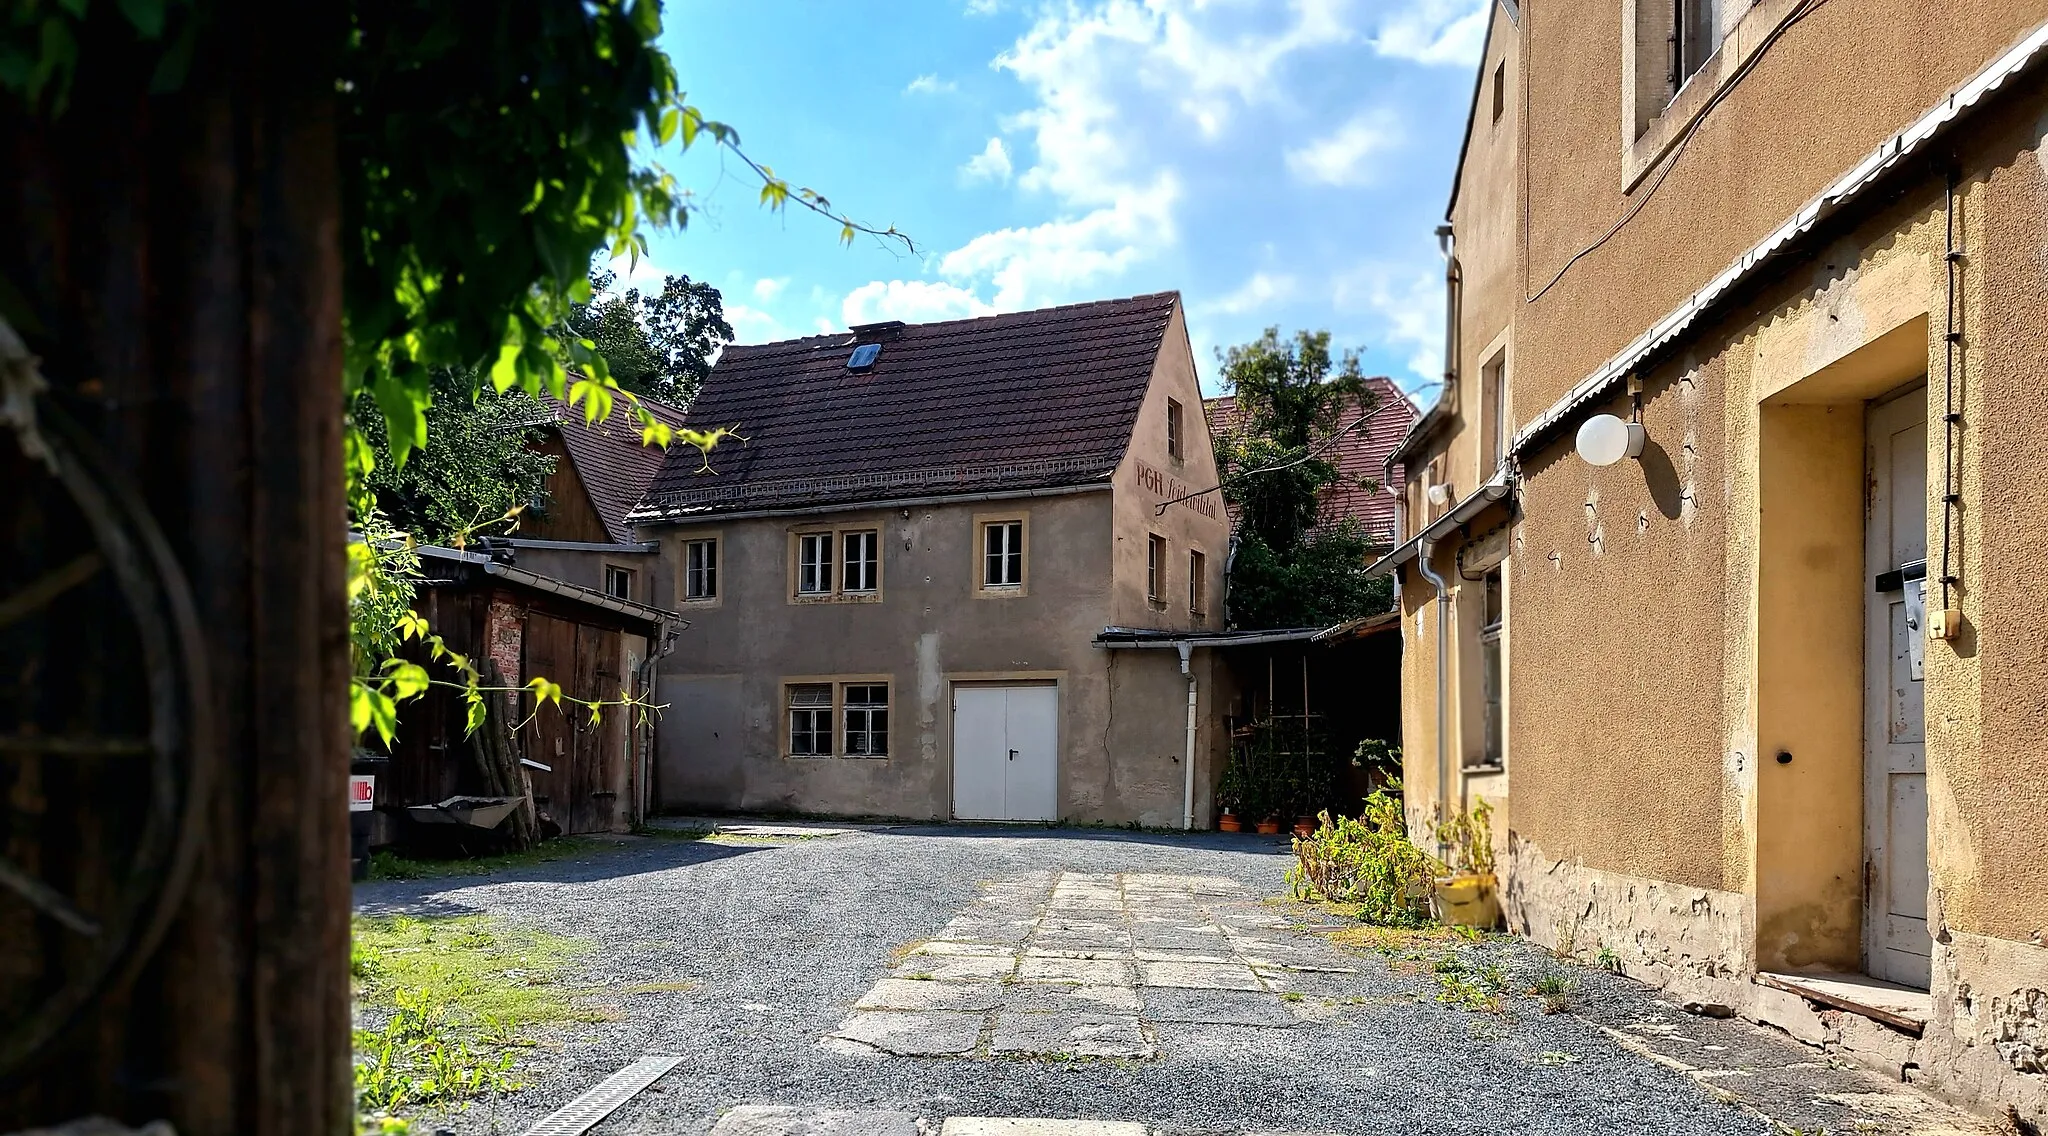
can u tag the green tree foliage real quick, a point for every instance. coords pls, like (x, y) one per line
(657, 345)
(478, 469)
(1293, 399)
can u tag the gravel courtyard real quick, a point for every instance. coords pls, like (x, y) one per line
(935, 973)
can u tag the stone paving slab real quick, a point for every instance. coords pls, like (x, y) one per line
(1076, 964)
(1014, 1126)
(782, 1120)
(1071, 1035)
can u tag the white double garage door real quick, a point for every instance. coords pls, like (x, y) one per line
(1006, 752)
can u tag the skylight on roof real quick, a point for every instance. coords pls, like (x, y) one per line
(863, 356)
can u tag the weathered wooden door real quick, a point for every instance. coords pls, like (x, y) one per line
(549, 650)
(599, 765)
(1896, 942)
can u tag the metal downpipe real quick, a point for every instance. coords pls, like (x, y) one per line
(1443, 685)
(1187, 805)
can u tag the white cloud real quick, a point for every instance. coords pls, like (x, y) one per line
(769, 287)
(645, 275)
(912, 301)
(930, 85)
(1410, 305)
(984, 7)
(752, 325)
(1126, 92)
(1449, 32)
(992, 164)
(1345, 158)
(1260, 291)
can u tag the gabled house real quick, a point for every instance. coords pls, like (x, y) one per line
(898, 581)
(577, 529)
(1370, 431)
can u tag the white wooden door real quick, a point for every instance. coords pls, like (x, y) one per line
(1005, 752)
(1896, 943)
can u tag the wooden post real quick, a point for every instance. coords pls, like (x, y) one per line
(180, 254)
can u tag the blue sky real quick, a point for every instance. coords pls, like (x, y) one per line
(1277, 163)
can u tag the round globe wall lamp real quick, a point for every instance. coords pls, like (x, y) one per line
(1606, 439)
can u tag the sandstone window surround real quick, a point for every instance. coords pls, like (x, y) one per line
(702, 562)
(843, 716)
(1002, 555)
(1677, 56)
(835, 564)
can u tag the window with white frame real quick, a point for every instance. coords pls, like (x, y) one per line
(618, 582)
(862, 570)
(810, 719)
(1155, 568)
(867, 720)
(814, 564)
(1491, 687)
(700, 569)
(1002, 554)
(1198, 582)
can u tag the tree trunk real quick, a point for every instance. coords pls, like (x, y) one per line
(181, 254)
(497, 757)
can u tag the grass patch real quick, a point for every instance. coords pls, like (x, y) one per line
(456, 996)
(1557, 990)
(388, 865)
(658, 832)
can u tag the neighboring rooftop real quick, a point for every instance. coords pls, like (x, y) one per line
(1030, 400)
(1360, 455)
(614, 465)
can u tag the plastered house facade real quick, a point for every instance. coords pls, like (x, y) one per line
(1763, 708)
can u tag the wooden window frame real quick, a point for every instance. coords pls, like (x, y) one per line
(835, 715)
(844, 721)
(628, 573)
(1198, 582)
(978, 547)
(1176, 430)
(787, 691)
(872, 566)
(1157, 549)
(716, 539)
(834, 536)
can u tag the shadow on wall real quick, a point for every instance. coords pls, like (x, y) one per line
(1661, 478)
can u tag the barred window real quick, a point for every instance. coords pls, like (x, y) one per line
(810, 719)
(867, 720)
(814, 564)
(862, 572)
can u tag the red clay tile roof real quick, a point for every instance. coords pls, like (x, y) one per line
(614, 466)
(1023, 401)
(1360, 454)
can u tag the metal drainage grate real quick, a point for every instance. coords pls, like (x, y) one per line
(583, 1113)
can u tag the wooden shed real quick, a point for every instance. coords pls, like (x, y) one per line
(517, 625)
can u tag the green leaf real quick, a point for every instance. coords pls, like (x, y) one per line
(646, 17)
(146, 15)
(670, 120)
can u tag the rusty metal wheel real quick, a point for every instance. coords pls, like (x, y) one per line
(105, 738)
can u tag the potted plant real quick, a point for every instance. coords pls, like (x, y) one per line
(1230, 796)
(1469, 896)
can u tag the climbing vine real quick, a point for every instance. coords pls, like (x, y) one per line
(486, 152)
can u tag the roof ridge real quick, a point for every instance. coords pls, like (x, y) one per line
(840, 337)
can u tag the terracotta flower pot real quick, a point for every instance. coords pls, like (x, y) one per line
(1228, 822)
(1269, 827)
(1304, 826)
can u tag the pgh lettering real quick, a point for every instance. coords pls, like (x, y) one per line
(1160, 485)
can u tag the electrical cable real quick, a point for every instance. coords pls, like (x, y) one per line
(1692, 128)
(1159, 510)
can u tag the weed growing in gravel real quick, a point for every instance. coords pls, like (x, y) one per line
(1474, 988)
(454, 995)
(1557, 1057)
(1607, 959)
(1557, 989)
(1292, 996)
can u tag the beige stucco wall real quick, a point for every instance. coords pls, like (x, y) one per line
(1122, 718)
(1678, 621)
(1149, 476)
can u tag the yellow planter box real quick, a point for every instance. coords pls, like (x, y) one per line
(1468, 901)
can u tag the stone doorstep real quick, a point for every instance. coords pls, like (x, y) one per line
(1897, 1006)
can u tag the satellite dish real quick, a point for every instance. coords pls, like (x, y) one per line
(1606, 439)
